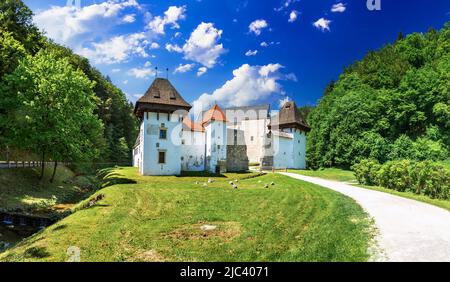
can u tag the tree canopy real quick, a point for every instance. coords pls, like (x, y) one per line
(393, 104)
(20, 40)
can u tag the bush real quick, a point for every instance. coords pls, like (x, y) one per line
(431, 179)
(395, 175)
(426, 178)
(366, 171)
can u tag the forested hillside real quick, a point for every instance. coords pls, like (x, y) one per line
(393, 104)
(24, 51)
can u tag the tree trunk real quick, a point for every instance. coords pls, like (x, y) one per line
(54, 172)
(43, 165)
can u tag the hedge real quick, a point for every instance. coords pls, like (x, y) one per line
(425, 178)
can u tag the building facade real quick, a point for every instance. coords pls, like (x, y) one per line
(169, 142)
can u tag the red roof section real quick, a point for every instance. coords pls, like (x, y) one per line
(192, 126)
(215, 113)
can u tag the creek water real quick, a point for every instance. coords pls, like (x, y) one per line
(15, 228)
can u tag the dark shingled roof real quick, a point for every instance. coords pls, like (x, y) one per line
(289, 117)
(161, 96)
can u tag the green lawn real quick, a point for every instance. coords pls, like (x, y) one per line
(159, 219)
(329, 173)
(20, 189)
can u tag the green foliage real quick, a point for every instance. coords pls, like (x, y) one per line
(53, 108)
(394, 104)
(423, 178)
(18, 38)
(366, 171)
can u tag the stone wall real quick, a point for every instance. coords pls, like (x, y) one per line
(237, 159)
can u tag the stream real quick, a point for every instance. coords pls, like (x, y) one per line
(16, 227)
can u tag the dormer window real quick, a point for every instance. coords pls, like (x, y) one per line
(172, 95)
(156, 94)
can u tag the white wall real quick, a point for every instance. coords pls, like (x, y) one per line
(171, 145)
(216, 140)
(258, 130)
(299, 152)
(193, 152)
(290, 152)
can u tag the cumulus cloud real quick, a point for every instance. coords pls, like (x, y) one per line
(249, 85)
(66, 24)
(184, 68)
(257, 26)
(338, 8)
(201, 71)
(264, 44)
(171, 17)
(251, 53)
(141, 72)
(322, 24)
(202, 46)
(117, 49)
(293, 16)
(154, 45)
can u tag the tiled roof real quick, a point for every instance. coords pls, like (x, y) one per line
(215, 113)
(289, 117)
(161, 95)
(192, 126)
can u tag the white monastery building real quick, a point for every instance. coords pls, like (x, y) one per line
(169, 142)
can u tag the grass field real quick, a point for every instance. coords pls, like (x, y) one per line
(20, 189)
(160, 219)
(329, 173)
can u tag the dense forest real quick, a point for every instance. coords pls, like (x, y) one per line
(393, 104)
(47, 91)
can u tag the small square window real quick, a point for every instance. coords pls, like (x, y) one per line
(161, 157)
(251, 138)
(182, 142)
(163, 134)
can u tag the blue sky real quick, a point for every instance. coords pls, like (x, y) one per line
(214, 49)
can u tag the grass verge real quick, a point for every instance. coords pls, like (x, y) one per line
(161, 218)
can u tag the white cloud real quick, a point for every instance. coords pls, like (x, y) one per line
(201, 71)
(184, 68)
(125, 82)
(129, 18)
(68, 24)
(338, 8)
(202, 46)
(322, 24)
(171, 17)
(293, 16)
(117, 49)
(115, 70)
(251, 53)
(154, 45)
(147, 64)
(257, 26)
(291, 76)
(173, 48)
(264, 44)
(249, 85)
(141, 72)
(284, 101)
(285, 5)
(177, 34)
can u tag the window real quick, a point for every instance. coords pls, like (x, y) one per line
(157, 116)
(163, 134)
(172, 95)
(251, 138)
(182, 142)
(247, 118)
(156, 93)
(161, 157)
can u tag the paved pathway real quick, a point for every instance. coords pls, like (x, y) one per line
(408, 230)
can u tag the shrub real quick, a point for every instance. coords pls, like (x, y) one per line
(366, 171)
(431, 179)
(426, 178)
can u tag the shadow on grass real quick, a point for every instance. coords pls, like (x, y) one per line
(109, 177)
(36, 252)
